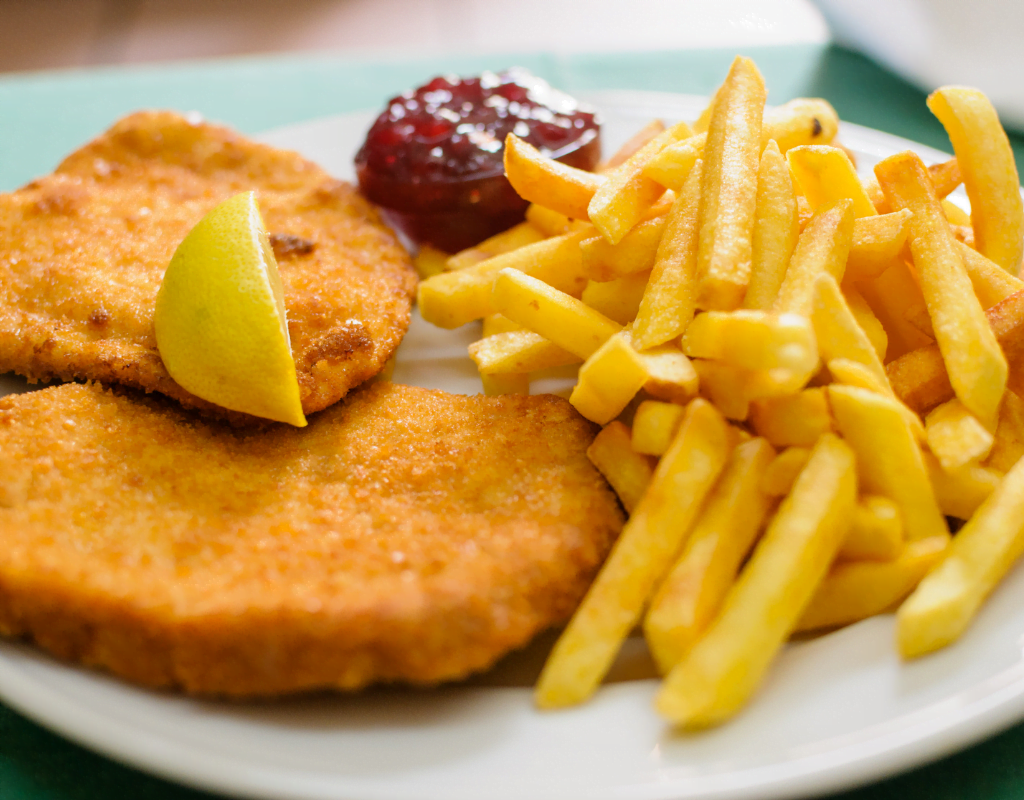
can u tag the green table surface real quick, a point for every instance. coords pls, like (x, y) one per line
(43, 116)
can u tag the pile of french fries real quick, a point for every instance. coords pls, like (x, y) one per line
(802, 378)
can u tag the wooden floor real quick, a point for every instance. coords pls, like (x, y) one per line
(46, 34)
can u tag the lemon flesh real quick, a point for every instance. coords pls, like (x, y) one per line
(220, 318)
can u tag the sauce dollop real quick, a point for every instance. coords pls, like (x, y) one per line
(433, 158)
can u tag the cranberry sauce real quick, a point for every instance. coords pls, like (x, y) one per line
(433, 158)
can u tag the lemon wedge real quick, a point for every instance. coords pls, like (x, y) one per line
(220, 318)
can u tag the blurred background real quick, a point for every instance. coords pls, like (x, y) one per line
(46, 34)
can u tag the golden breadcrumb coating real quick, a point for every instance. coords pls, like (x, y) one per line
(83, 252)
(405, 535)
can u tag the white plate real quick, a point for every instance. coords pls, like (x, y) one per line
(836, 711)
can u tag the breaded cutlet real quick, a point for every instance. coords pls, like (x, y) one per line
(83, 252)
(406, 535)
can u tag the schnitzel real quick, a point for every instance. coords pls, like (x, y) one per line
(405, 535)
(83, 252)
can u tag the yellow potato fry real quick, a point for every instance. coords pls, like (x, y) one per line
(889, 296)
(877, 240)
(992, 284)
(729, 188)
(515, 237)
(634, 253)
(498, 323)
(726, 665)
(1008, 446)
(782, 472)
(429, 261)
(608, 380)
(867, 320)
(976, 366)
(823, 246)
(802, 121)
(547, 221)
(956, 216)
(518, 352)
(955, 436)
(555, 185)
(633, 145)
(876, 531)
(889, 460)
(989, 172)
(825, 175)
(670, 374)
(945, 177)
(837, 331)
(669, 301)
(776, 229)
(961, 491)
(756, 340)
(508, 383)
(854, 373)
(654, 426)
(701, 125)
(673, 165)
(628, 472)
(555, 315)
(627, 193)
(946, 601)
(692, 592)
(732, 388)
(618, 299)
(856, 590)
(642, 555)
(455, 298)
(797, 420)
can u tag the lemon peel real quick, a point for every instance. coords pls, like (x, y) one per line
(220, 320)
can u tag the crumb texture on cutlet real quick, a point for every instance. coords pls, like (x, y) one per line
(405, 535)
(83, 252)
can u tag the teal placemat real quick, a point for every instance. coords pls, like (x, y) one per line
(45, 116)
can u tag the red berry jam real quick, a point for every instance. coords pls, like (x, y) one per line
(433, 158)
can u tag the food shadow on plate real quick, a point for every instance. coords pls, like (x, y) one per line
(15, 384)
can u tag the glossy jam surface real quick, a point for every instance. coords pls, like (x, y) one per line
(433, 158)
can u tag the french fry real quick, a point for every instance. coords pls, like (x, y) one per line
(956, 215)
(455, 298)
(992, 284)
(854, 373)
(776, 229)
(628, 472)
(725, 386)
(634, 253)
(702, 122)
(877, 241)
(617, 299)
(853, 591)
(497, 323)
(693, 590)
(654, 425)
(671, 376)
(803, 121)
(946, 601)
(837, 331)
(976, 366)
(797, 420)
(633, 145)
(782, 472)
(825, 175)
(725, 666)
(673, 165)
(670, 299)
(754, 340)
(508, 383)
(555, 315)
(869, 323)
(889, 296)
(989, 172)
(429, 261)
(1008, 445)
(876, 531)
(505, 242)
(823, 246)
(889, 460)
(961, 491)
(640, 558)
(608, 380)
(955, 436)
(945, 177)
(518, 352)
(627, 193)
(555, 185)
(729, 188)
(547, 221)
